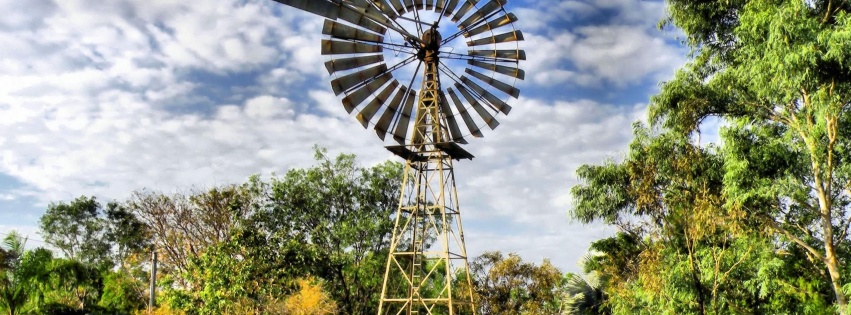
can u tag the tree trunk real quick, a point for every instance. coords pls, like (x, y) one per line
(835, 277)
(825, 205)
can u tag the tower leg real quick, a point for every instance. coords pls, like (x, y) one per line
(427, 269)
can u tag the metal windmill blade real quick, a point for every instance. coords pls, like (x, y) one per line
(376, 50)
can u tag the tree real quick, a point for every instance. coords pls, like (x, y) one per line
(76, 284)
(125, 233)
(22, 272)
(183, 226)
(680, 249)
(583, 294)
(122, 292)
(13, 290)
(239, 247)
(779, 73)
(341, 213)
(76, 229)
(510, 286)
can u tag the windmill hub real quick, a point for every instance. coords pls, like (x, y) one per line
(430, 47)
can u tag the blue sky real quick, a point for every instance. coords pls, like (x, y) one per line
(103, 98)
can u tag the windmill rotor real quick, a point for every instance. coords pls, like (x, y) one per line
(376, 48)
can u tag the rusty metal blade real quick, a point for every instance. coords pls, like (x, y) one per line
(482, 13)
(354, 99)
(386, 8)
(404, 118)
(368, 111)
(429, 5)
(346, 82)
(454, 131)
(335, 47)
(364, 15)
(344, 64)
(398, 6)
(321, 8)
(333, 11)
(499, 53)
(450, 7)
(468, 4)
(362, 20)
(383, 124)
(486, 116)
(343, 31)
(468, 120)
(488, 96)
(439, 5)
(512, 36)
(499, 85)
(506, 70)
(492, 25)
(374, 15)
(375, 12)
(419, 4)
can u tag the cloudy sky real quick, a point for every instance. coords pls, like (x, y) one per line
(106, 97)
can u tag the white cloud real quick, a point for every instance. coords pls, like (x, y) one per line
(623, 51)
(623, 54)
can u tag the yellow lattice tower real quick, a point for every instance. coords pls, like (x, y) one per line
(427, 271)
(427, 249)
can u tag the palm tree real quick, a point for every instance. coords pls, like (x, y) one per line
(583, 294)
(13, 293)
(22, 272)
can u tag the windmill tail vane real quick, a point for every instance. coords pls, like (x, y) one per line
(378, 51)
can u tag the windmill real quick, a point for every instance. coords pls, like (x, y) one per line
(427, 271)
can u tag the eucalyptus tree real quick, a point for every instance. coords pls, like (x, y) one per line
(779, 74)
(340, 213)
(76, 229)
(86, 231)
(681, 249)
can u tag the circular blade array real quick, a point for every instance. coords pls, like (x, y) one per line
(373, 47)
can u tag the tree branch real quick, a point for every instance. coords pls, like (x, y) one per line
(794, 238)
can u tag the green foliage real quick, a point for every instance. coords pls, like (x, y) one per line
(682, 250)
(126, 234)
(122, 292)
(75, 229)
(84, 231)
(768, 207)
(254, 241)
(313, 241)
(583, 295)
(76, 284)
(23, 276)
(508, 285)
(782, 81)
(342, 213)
